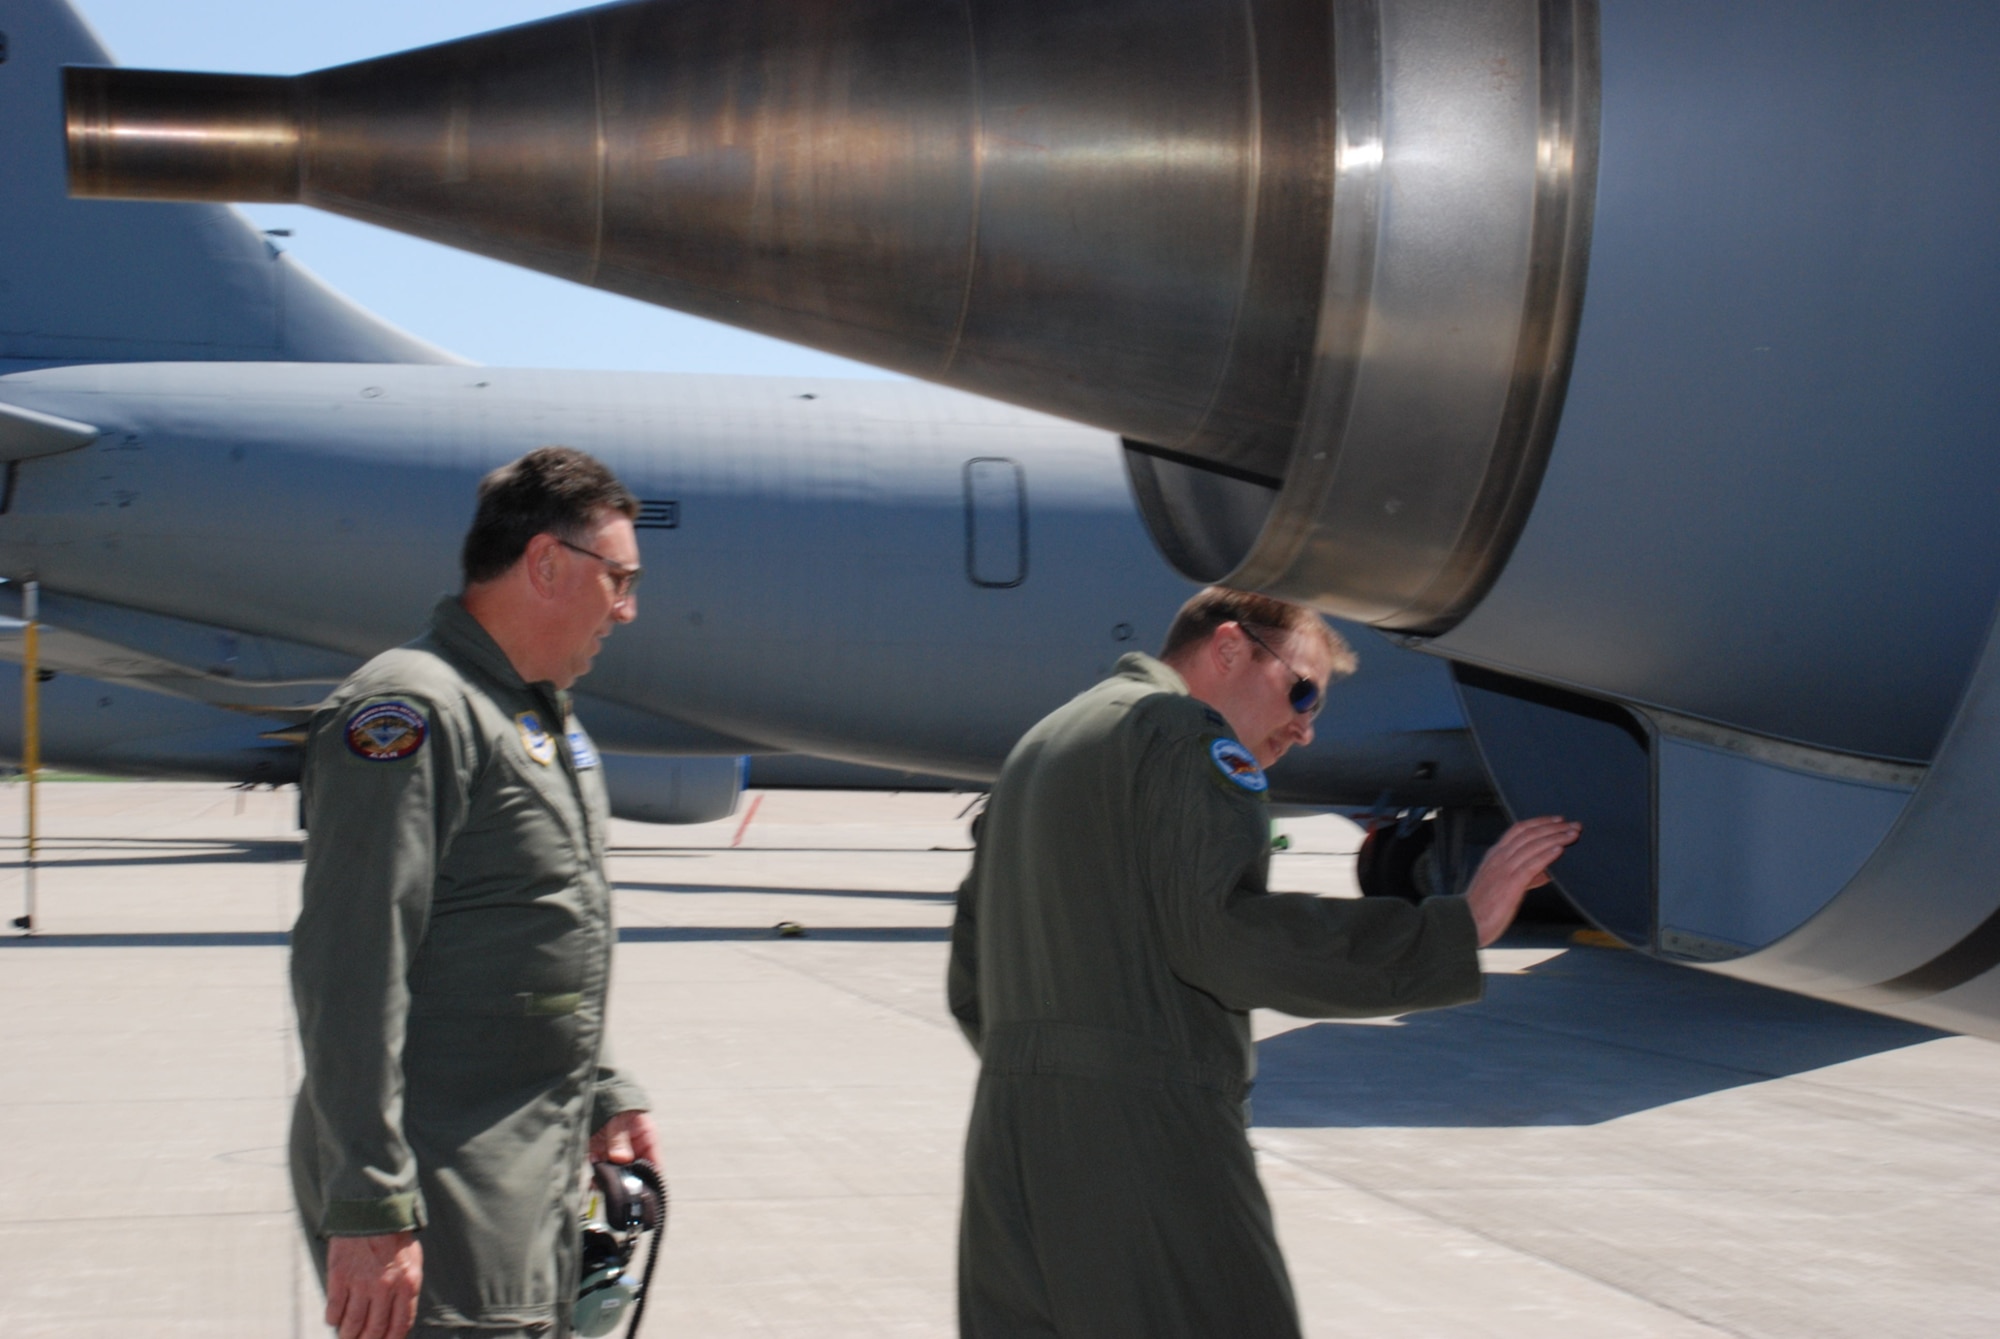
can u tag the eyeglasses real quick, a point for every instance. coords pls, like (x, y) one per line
(1305, 694)
(623, 578)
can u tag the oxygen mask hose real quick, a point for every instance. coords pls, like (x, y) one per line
(651, 1178)
(627, 1201)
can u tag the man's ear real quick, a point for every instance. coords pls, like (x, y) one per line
(539, 559)
(1226, 644)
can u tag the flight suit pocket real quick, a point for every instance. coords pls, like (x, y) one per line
(474, 1049)
(497, 1087)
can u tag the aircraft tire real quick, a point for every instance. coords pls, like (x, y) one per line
(1387, 863)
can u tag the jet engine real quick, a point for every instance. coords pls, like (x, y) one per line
(649, 789)
(1710, 545)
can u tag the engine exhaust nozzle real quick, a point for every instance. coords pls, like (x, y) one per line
(165, 135)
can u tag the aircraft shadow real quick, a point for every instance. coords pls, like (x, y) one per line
(843, 934)
(1586, 1037)
(200, 853)
(161, 939)
(651, 852)
(631, 934)
(147, 843)
(934, 898)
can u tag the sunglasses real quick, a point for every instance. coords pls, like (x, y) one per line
(623, 578)
(1305, 694)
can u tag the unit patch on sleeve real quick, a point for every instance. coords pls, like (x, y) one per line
(386, 731)
(535, 739)
(1238, 767)
(580, 751)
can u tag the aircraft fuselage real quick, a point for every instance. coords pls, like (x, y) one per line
(883, 572)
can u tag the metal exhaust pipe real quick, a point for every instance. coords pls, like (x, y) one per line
(163, 135)
(1318, 262)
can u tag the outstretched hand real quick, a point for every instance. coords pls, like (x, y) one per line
(372, 1284)
(1519, 861)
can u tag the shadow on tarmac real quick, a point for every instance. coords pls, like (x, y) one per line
(842, 934)
(164, 939)
(197, 851)
(1585, 1037)
(689, 852)
(631, 934)
(934, 898)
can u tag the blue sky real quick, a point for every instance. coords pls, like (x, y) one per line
(479, 308)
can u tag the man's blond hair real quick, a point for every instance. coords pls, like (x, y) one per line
(1263, 615)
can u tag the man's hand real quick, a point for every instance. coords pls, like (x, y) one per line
(1519, 861)
(372, 1284)
(626, 1136)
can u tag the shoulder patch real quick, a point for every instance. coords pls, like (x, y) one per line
(535, 739)
(386, 731)
(1237, 766)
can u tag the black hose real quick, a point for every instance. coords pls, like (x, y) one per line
(649, 1174)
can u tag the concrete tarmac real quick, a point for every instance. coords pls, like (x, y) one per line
(1603, 1147)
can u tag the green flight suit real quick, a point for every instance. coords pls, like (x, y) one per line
(450, 967)
(1111, 938)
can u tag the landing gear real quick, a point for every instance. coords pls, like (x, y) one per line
(1387, 863)
(1419, 854)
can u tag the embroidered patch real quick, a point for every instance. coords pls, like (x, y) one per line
(386, 732)
(1238, 766)
(580, 751)
(535, 739)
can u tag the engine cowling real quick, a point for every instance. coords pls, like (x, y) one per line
(1318, 263)
(647, 789)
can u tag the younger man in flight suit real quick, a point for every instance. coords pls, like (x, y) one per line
(1111, 939)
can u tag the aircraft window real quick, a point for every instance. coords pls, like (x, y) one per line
(996, 522)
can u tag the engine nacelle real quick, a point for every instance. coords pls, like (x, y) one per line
(648, 789)
(1317, 261)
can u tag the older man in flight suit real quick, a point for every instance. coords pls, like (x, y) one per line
(451, 961)
(1111, 938)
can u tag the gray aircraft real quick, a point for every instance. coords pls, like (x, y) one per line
(1710, 549)
(232, 486)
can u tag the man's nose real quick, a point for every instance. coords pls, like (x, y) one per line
(626, 607)
(1302, 728)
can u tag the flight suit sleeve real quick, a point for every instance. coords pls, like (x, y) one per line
(380, 808)
(614, 1091)
(1205, 849)
(961, 986)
